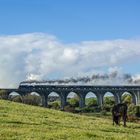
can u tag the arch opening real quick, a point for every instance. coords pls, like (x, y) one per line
(15, 96)
(108, 98)
(108, 101)
(33, 98)
(128, 98)
(91, 100)
(73, 99)
(54, 100)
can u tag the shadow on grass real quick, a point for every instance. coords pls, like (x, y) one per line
(19, 122)
(114, 130)
(90, 135)
(134, 127)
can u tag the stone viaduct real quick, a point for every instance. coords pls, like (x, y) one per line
(80, 90)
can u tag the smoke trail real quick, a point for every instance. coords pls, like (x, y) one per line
(113, 78)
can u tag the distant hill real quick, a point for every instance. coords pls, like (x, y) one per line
(25, 122)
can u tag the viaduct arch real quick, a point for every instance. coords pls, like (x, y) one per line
(80, 90)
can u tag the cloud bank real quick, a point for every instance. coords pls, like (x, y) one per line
(39, 56)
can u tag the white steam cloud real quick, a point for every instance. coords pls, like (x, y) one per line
(37, 56)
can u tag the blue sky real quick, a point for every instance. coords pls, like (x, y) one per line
(72, 20)
(66, 38)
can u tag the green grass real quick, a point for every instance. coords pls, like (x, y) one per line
(24, 122)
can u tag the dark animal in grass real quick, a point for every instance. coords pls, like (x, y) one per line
(119, 111)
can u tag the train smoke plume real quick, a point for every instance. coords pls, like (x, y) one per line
(113, 78)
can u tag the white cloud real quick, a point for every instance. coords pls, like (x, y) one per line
(39, 55)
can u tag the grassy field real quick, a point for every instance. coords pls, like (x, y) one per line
(24, 122)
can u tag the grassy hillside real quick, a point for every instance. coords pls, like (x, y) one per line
(24, 122)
